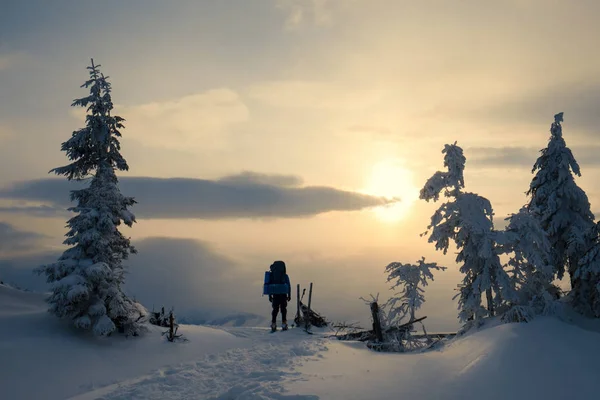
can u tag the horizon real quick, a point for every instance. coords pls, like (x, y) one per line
(317, 112)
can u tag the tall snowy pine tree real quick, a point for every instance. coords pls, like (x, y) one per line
(468, 221)
(562, 207)
(87, 279)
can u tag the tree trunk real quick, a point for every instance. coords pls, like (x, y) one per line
(490, 302)
(376, 321)
(298, 303)
(171, 327)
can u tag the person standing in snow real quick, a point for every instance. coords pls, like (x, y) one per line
(280, 293)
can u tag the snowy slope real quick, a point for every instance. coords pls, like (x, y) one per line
(546, 359)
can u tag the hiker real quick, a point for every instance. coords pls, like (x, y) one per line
(280, 292)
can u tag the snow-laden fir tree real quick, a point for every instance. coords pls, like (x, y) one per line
(408, 280)
(588, 274)
(467, 220)
(87, 279)
(529, 266)
(562, 207)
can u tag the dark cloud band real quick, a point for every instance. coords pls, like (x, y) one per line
(525, 156)
(580, 103)
(14, 240)
(248, 195)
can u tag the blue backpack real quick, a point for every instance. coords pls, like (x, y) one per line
(276, 280)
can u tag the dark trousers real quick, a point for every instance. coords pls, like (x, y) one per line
(279, 302)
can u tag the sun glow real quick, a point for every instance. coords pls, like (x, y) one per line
(389, 178)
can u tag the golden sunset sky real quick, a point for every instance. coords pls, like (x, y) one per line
(327, 104)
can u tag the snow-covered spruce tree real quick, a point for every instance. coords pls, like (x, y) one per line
(562, 207)
(87, 279)
(409, 279)
(588, 274)
(467, 219)
(529, 266)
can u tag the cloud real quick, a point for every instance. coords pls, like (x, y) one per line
(13, 240)
(579, 101)
(36, 211)
(301, 12)
(501, 157)
(246, 177)
(187, 274)
(17, 270)
(184, 273)
(193, 122)
(248, 195)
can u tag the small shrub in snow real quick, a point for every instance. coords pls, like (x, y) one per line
(160, 318)
(410, 279)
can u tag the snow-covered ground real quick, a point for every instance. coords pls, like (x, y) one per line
(44, 359)
(546, 359)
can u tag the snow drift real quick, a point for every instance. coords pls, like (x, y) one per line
(545, 359)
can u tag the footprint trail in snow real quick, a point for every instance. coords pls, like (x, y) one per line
(256, 372)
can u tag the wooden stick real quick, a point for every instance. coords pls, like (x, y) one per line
(307, 324)
(298, 303)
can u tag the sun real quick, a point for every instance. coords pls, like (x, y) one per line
(389, 178)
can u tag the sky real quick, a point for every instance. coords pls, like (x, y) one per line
(279, 129)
